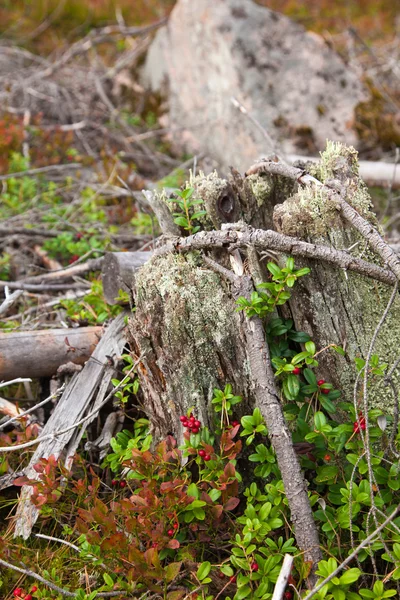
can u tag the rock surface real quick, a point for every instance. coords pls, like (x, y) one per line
(296, 87)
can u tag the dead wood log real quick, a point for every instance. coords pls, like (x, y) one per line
(40, 353)
(60, 432)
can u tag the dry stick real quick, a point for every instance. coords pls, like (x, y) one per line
(45, 287)
(75, 425)
(242, 235)
(267, 400)
(9, 301)
(283, 577)
(94, 264)
(33, 408)
(53, 586)
(337, 196)
(39, 170)
(353, 554)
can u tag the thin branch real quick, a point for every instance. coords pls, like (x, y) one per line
(33, 408)
(337, 195)
(240, 235)
(353, 554)
(54, 434)
(39, 170)
(53, 586)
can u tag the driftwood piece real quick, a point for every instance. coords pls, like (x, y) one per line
(72, 406)
(40, 353)
(118, 271)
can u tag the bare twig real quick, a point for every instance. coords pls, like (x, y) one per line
(40, 170)
(337, 195)
(242, 235)
(353, 554)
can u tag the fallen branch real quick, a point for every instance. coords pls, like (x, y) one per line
(337, 193)
(66, 418)
(240, 235)
(351, 556)
(267, 400)
(49, 347)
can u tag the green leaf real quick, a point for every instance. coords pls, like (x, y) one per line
(274, 269)
(242, 592)
(310, 376)
(172, 570)
(108, 580)
(203, 570)
(350, 576)
(290, 263)
(310, 347)
(319, 420)
(181, 221)
(291, 387)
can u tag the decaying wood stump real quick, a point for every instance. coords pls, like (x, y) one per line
(188, 338)
(186, 326)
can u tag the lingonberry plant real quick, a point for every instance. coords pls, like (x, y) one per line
(210, 519)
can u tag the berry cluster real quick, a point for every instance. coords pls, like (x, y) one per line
(171, 532)
(360, 424)
(121, 483)
(20, 594)
(321, 382)
(203, 454)
(191, 423)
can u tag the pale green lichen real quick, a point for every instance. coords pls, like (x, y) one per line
(262, 187)
(339, 161)
(187, 306)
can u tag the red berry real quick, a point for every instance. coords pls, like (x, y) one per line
(324, 391)
(235, 423)
(296, 371)
(192, 419)
(232, 579)
(202, 453)
(288, 595)
(195, 430)
(197, 424)
(154, 545)
(79, 235)
(221, 575)
(321, 382)
(170, 532)
(207, 457)
(183, 419)
(29, 597)
(17, 591)
(254, 566)
(327, 457)
(122, 484)
(175, 525)
(34, 589)
(114, 482)
(73, 259)
(185, 423)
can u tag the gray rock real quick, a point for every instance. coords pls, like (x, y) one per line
(298, 89)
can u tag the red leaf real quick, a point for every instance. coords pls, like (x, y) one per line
(231, 503)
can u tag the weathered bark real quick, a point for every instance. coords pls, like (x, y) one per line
(89, 385)
(188, 337)
(118, 272)
(40, 353)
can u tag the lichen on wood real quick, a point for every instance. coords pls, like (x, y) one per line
(188, 335)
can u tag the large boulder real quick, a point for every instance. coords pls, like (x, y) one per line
(294, 85)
